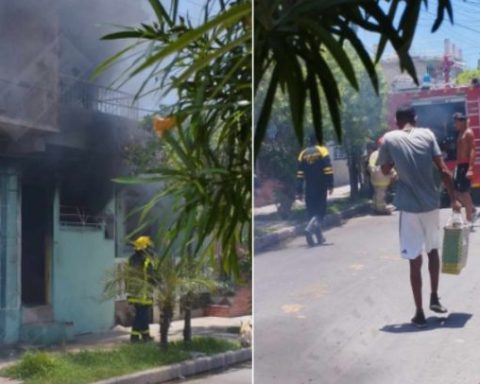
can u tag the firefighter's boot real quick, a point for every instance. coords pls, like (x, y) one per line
(310, 231)
(318, 232)
(134, 338)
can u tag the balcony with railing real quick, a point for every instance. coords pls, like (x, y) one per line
(25, 106)
(84, 94)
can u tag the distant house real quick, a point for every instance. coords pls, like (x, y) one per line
(432, 68)
(61, 138)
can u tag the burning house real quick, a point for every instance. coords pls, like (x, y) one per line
(61, 225)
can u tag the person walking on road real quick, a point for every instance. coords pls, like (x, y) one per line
(414, 152)
(465, 164)
(316, 172)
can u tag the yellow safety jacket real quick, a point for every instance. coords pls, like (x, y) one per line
(140, 291)
(378, 179)
(315, 168)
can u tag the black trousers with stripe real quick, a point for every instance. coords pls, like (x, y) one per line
(141, 320)
(316, 203)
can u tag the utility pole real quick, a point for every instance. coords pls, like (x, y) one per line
(447, 65)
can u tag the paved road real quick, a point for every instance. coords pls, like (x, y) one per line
(340, 314)
(341, 192)
(241, 374)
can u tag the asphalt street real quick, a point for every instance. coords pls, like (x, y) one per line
(340, 313)
(241, 374)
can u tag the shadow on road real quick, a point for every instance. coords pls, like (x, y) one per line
(453, 320)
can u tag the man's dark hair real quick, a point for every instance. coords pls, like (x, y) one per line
(406, 113)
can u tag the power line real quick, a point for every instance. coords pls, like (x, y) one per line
(460, 25)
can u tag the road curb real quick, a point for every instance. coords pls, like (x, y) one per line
(184, 369)
(263, 243)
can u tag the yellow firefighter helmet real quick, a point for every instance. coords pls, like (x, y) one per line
(142, 242)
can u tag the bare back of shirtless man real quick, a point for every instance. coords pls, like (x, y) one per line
(465, 163)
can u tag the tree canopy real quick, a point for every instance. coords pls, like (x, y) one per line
(362, 116)
(466, 77)
(292, 38)
(207, 135)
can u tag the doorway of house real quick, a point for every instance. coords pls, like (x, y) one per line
(37, 230)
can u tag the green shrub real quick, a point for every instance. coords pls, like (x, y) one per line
(35, 363)
(208, 345)
(90, 366)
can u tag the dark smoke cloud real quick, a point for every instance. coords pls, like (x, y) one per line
(39, 38)
(44, 40)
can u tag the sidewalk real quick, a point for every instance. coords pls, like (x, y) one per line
(338, 193)
(219, 327)
(281, 230)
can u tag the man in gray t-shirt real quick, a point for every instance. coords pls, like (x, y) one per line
(412, 151)
(416, 157)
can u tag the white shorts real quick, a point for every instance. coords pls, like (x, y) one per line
(419, 232)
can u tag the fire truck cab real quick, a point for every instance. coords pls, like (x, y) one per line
(435, 108)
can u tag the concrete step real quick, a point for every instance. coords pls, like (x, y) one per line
(37, 314)
(47, 333)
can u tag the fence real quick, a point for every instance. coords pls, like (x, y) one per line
(75, 92)
(38, 105)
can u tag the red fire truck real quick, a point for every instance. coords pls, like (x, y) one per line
(435, 108)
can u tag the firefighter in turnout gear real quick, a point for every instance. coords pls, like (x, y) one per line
(316, 172)
(139, 296)
(380, 182)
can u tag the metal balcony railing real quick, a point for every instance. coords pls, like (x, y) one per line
(37, 106)
(76, 92)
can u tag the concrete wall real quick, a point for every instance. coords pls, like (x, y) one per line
(423, 64)
(340, 173)
(82, 257)
(30, 73)
(9, 260)
(57, 38)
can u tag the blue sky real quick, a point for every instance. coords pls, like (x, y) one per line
(464, 33)
(194, 9)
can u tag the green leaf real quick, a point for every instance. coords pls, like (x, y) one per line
(228, 76)
(138, 180)
(332, 95)
(409, 21)
(134, 34)
(363, 55)
(160, 12)
(290, 72)
(315, 103)
(262, 123)
(384, 38)
(110, 61)
(442, 6)
(335, 49)
(234, 14)
(206, 60)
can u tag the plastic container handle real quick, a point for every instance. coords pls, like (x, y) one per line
(455, 220)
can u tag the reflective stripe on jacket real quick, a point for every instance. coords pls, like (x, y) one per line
(315, 168)
(143, 298)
